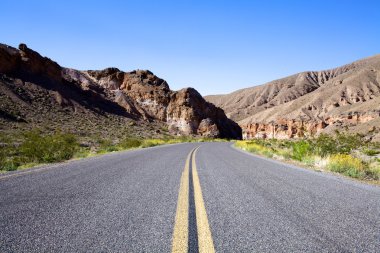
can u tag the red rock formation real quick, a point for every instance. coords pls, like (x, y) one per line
(138, 94)
(283, 129)
(293, 129)
(143, 94)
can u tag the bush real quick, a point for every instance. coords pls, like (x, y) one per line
(325, 145)
(347, 165)
(130, 143)
(49, 148)
(345, 143)
(255, 147)
(315, 152)
(151, 143)
(9, 165)
(3, 155)
(341, 143)
(7, 161)
(106, 145)
(310, 160)
(373, 172)
(284, 144)
(300, 150)
(371, 152)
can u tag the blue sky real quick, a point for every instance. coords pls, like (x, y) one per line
(213, 46)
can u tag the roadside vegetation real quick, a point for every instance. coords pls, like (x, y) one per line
(347, 154)
(32, 148)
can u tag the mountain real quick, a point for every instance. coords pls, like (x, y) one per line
(309, 103)
(37, 92)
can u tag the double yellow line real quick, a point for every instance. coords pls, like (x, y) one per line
(180, 239)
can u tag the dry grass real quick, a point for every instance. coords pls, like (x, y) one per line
(347, 165)
(346, 156)
(33, 148)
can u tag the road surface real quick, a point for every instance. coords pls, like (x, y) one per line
(194, 197)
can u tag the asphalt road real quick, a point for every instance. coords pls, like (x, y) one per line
(214, 198)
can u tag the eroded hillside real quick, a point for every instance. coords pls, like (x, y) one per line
(308, 103)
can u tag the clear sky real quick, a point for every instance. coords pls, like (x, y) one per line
(214, 46)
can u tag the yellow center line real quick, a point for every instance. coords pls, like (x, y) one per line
(181, 226)
(205, 242)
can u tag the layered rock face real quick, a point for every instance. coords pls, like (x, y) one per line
(309, 103)
(137, 95)
(146, 96)
(283, 129)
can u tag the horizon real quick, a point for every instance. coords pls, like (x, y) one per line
(214, 48)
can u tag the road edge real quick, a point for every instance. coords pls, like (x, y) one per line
(334, 176)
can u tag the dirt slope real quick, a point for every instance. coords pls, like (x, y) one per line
(344, 98)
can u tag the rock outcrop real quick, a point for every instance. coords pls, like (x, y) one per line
(146, 96)
(136, 95)
(345, 98)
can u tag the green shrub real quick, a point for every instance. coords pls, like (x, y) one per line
(309, 160)
(284, 144)
(268, 153)
(325, 145)
(130, 143)
(9, 165)
(180, 139)
(7, 161)
(106, 145)
(50, 148)
(300, 150)
(82, 152)
(371, 152)
(347, 165)
(314, 152)
(256, 146)
(152, 142)
(285, 153)
(341, 143)
(3, 155)
(373, 172)
(348, 142)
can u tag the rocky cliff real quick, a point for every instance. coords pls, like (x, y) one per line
(346, 98)
(32, 87)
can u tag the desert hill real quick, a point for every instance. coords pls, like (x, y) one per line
(37, 92)
(308, 103)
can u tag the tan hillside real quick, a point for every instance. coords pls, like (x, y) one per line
(344, 98)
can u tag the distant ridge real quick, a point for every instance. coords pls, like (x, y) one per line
(308, 103)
